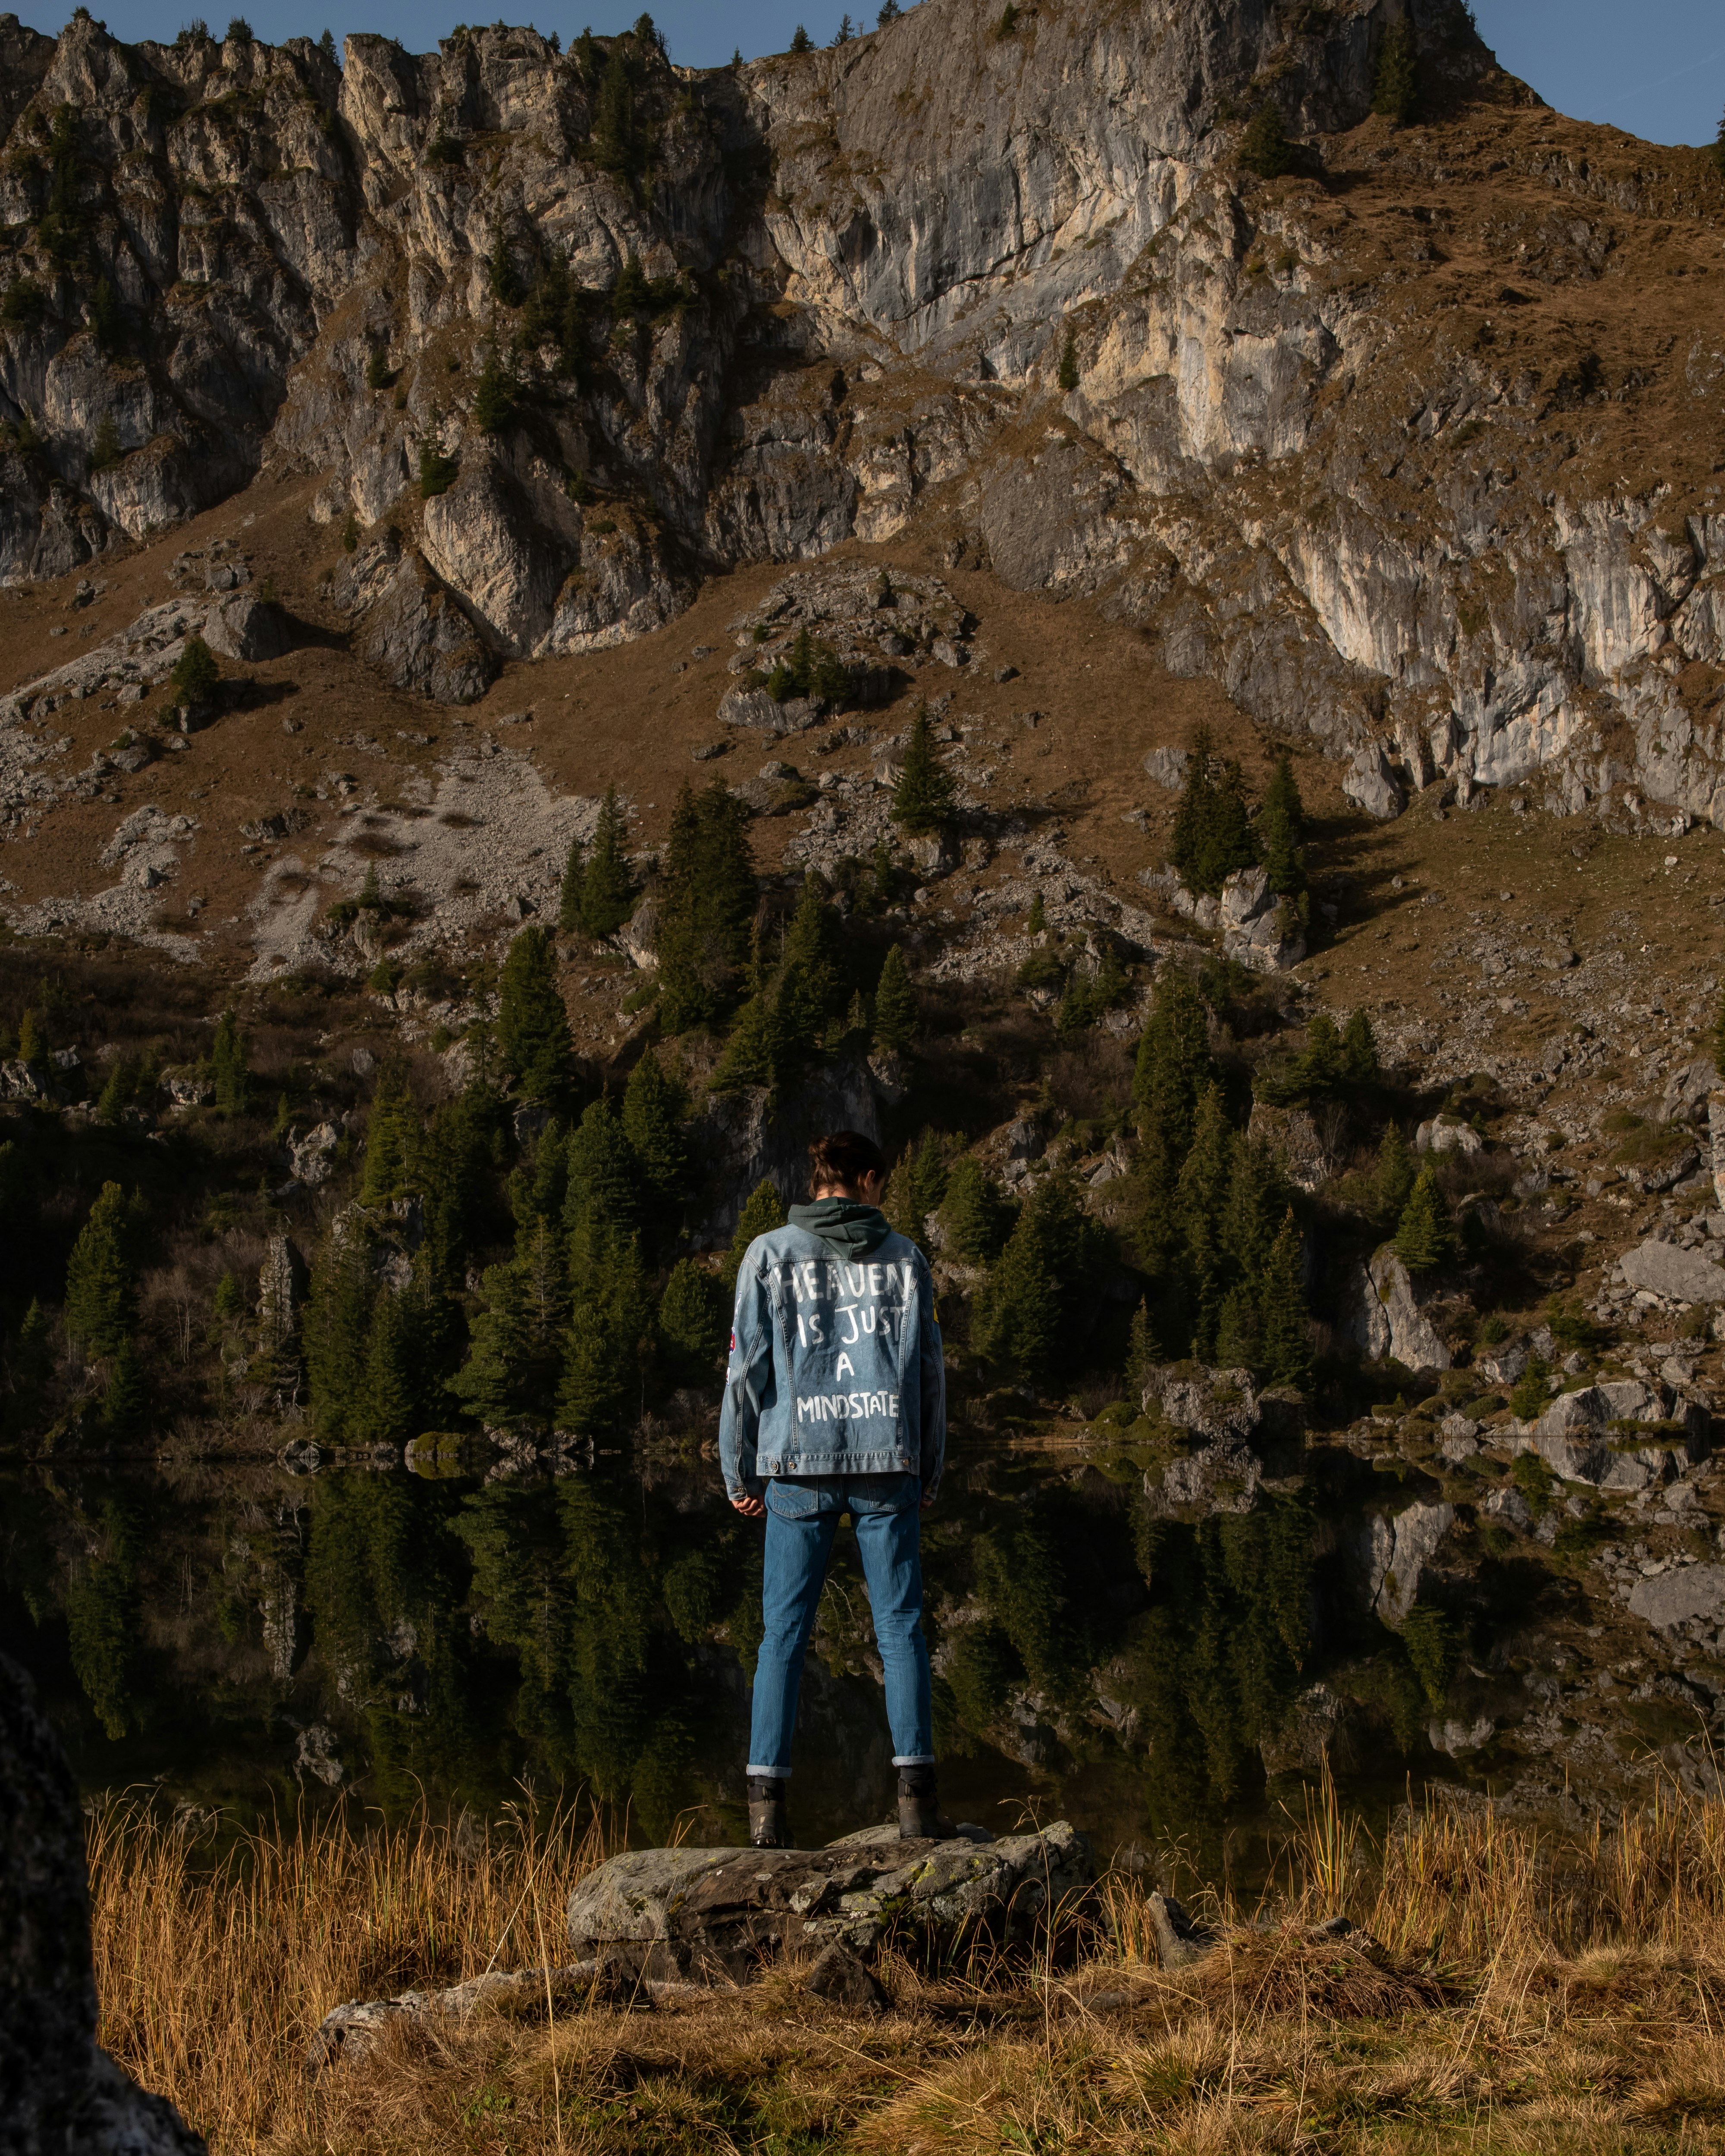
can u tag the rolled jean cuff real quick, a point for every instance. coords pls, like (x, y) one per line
(767, 1773)
(907, 1759)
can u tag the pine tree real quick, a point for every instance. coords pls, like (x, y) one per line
(1212, 833)
(752, 1054)
(763, 1212)
(610, 1326)
(125, 1399)
(1257, 1200)
(31, 1040)
(1201, 1200)
(456, 1160)
(1360, 1065)
(810, 991)
(655, 1121)
(388, 1412)
(227, 1064)
(1239, 1330)
(338, 1316)
(607, 888)
(516, 1341)
(1281, 1302)
(1142, 1353)
(978, 1218)
(1282, 836)
(605, 1178)
(101, 1274)
(1393, 1176)
(922, 801)
(391, 1135)
(1395, 85)
(494, 396)
(693, 1320)
(706, 909)
(1264, 147)
(916, 1187)
(1034, 1317)
(1174, 1064)
(196, 676)
(533, 1041)
(801, 42)
(1016, 1318)
(117, 1092)
(569, 893)
(896, 1012)
(613, 145)
(1425, 1235)
(28, 1364)
(1068, 371)
(1321, 1066)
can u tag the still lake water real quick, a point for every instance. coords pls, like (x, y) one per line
(245, 1639)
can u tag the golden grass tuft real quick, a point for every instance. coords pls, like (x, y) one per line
(1505, 1991)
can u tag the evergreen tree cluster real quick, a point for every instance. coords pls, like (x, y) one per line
(1213, 833)
(707, 903)
(809, 668)
(598, 890)
(573, 1325)
(1216, 1231)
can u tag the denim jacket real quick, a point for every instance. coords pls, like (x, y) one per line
(836, 1366)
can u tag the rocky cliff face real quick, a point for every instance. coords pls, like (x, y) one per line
(1406, 447)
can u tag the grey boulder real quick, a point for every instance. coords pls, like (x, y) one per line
(718, 1915)
(243, 627)
(1678, 1275)
(1690, 1593)
(61, 2093)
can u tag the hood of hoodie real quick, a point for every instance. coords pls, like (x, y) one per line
(846, 1224)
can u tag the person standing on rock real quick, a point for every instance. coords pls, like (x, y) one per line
(835, 1402)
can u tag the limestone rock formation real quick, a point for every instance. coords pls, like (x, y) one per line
(1388, 1313)
(61, 2093)
(1231, 1432)
(717, 1915)
(1016, 289)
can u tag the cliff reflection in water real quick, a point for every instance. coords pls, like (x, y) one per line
(246, 1637)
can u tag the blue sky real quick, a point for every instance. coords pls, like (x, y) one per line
(1656, 68)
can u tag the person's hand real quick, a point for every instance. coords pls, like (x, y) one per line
(752, 1508)
(927, 1503)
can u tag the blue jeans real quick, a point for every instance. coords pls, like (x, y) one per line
(803, 1515)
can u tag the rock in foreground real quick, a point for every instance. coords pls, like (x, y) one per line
(61, 2093)
(717, 1915)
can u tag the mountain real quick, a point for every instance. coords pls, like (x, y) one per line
(1278, 536)
(1412, 447)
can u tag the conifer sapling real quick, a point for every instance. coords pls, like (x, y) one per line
(1426, 1236)
(922, 801)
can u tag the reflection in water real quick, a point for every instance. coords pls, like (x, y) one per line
(250, 1637)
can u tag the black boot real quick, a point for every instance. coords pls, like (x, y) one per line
(767, 1829)
(919, 1816)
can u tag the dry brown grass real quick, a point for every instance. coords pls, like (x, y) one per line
(1504, 1990)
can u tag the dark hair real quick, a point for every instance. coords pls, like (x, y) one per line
(845, 1157)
